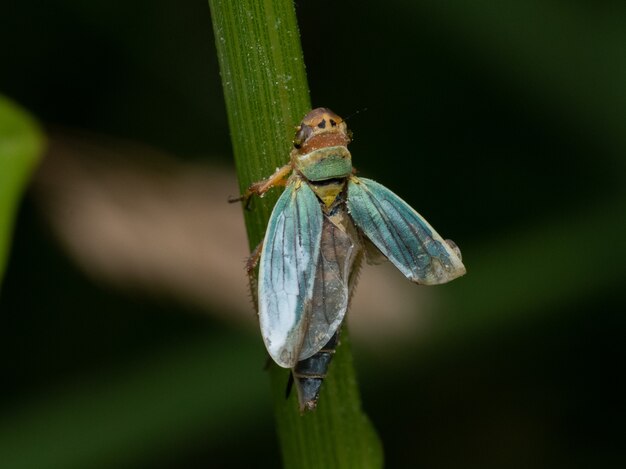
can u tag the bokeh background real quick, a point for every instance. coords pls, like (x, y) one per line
(127, 336)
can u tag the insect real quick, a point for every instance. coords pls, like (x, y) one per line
(323, 225)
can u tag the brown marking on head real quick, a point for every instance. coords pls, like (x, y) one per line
(320, 128)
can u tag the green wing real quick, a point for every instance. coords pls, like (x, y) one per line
(401, 234)
(287, 272)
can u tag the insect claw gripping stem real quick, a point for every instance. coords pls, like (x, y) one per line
(246, 197)
(279, 178)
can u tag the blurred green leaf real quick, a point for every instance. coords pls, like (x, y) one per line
(21, 144)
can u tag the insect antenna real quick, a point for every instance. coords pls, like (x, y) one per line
(359, 111)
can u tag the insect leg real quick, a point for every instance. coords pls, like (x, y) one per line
(253, 260)
(289, 386)
(251, 264)
(279, 178)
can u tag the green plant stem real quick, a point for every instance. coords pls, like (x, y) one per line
(265, 89)
(266, 95)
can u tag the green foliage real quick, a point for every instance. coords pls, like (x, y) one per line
(21, 144)
(266, 96)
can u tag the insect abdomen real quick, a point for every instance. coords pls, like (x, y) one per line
(309, 374)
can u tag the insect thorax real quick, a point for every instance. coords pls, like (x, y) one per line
(324, 163)
(326, 170)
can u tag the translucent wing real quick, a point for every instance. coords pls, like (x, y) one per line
(331, 292)
(401, 234)
(287, 272)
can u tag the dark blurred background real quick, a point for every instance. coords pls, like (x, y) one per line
(126, 334)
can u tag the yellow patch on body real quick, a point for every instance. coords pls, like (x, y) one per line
(328, 192)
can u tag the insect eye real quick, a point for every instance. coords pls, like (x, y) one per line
(304, 132)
